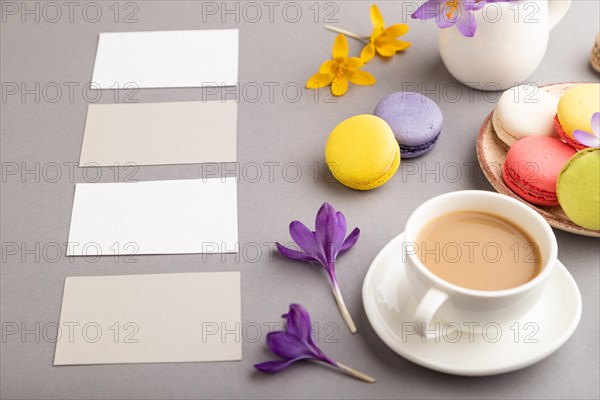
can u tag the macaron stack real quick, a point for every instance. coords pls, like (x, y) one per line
(363, 152)
(544, 133)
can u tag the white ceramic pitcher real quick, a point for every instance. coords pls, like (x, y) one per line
(508, 46)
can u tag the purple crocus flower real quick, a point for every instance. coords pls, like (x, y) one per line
(451, 12)
(323, 246)
(590, 139)
(297, 343)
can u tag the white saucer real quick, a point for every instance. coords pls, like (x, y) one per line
(539, 333)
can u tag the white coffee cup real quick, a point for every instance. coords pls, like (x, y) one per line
(462, 307)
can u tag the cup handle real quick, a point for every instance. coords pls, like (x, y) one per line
(558, 9)
(427, 308)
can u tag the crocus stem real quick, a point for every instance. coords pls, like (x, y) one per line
(356, 374)
(343, 309)
(348, 33)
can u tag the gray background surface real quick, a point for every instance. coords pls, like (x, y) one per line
(289, 128)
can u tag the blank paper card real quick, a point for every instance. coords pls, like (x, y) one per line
(183, 317)
(154, 217)
(166, 59)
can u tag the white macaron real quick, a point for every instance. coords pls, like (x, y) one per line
(523, 111)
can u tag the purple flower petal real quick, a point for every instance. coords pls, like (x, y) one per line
(596, 124)
(287, 345)
(340, 233)
(447, 14)
(444, 22)
(298, 323)
(466, 23)
(428, 10)
(324, 244)
(586, 138)
(474, 5)
(304, 238)
(329, 233)
(293, 254)
(270, 367)
(350, 241)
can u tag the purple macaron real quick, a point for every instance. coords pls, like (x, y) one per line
(416, 121)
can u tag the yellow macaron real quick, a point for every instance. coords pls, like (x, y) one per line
(362, 152)
(575, 109)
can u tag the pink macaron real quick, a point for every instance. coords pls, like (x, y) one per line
(532, 167)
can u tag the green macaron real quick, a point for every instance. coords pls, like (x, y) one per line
(578, 189)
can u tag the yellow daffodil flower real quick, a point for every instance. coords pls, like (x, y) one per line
(383, 40)
(339, 70)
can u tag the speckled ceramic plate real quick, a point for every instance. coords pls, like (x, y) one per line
(491, 153)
